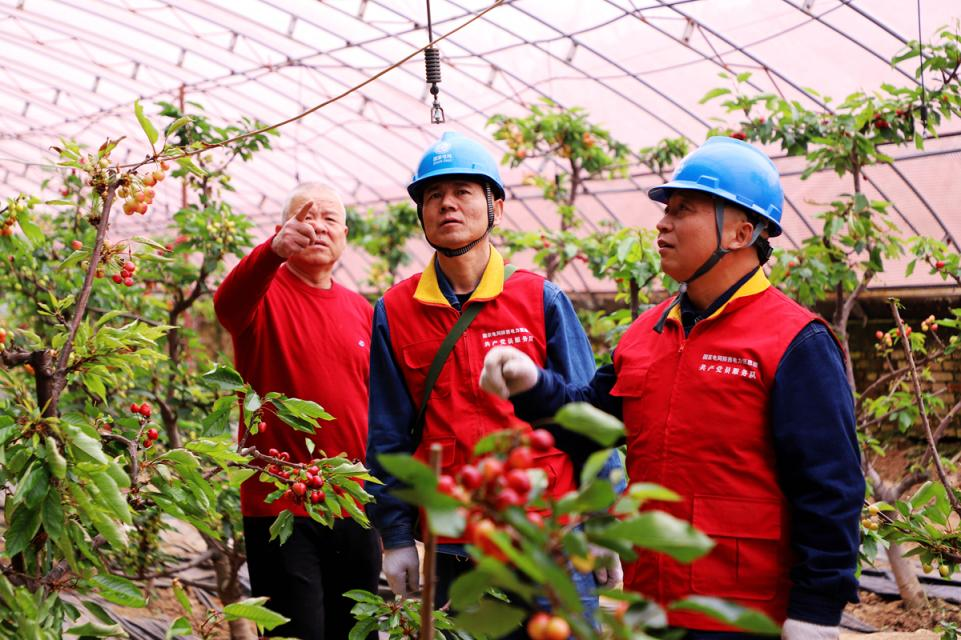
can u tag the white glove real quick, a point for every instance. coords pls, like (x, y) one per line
(402, 568)
(507, 372)
(797, 630)
(607, 569)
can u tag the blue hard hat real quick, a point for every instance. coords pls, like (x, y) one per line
(734, 171)
(455, 155)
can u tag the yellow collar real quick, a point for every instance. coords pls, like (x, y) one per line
(756, 284)
(491, 283)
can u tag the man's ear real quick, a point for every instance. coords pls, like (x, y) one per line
(743, 232)
(498, 211)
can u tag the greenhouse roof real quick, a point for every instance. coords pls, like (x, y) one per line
(73, 68)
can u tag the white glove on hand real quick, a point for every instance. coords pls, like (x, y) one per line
(797, 630)
(402, 568)
(607, 569)
(507, 372)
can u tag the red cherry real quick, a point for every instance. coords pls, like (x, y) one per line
(272, 452)
(739, 135)
(480, 531)
(535, 519)
(117, 278)
(446, 484)
(145, 410)
(147, 443)
(135, 408)
(285, 475)
(520, 458)
(76, 245)
(129, 267)
(542, 440)
(879, 335)
(317, 496)
(557, 629)
(939, 264)
(128, 282)
(288, 495)
(508, 498)
(316, 481)
(152, 434)
(491, 469)
(313, 470)
(299, 488)
(470, 477)
(519, 481)
(537, 626)
(158, 176)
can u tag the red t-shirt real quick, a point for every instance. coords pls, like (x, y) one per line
(306, 343)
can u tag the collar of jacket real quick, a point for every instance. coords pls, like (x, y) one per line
(490, 286)
(755, 285)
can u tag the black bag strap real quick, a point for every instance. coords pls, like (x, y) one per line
(440, 359)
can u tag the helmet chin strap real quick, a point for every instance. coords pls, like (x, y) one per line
(455, 253)
(719, 252)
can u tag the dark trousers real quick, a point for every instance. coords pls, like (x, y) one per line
(306, 577)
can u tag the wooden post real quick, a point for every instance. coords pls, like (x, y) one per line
(430, 562)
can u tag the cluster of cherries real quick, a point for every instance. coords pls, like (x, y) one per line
(305, 483)
(136, 198)
(6, 227)
(3, 337)
(151, 434)
(125, 276)
(491, 485)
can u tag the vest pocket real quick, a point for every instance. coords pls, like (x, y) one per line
(448, 452)
(745, 563)
(419, 356)
(630, 382)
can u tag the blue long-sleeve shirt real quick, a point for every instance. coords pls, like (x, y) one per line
(818, 460)
(392, 410)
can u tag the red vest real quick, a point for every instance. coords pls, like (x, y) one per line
(696, 411)
(459, 412)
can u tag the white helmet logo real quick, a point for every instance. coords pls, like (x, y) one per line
(442, 147)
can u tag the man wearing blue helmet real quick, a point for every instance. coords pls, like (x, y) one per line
(736, 398)
(460, 198)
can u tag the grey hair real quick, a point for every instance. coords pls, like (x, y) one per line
(303, 188)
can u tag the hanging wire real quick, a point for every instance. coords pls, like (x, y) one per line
(924, 102)
(432, 69)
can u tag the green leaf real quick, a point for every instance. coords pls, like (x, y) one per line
(253, 609)
(145, 124)
(282, 527)
(24, 524)
(490, 617)
(52, 515)
(179, 627)
(225, 378)
(33, 233)
(55, 461)
(182, 598)
(363, 628)
(589, 421)
(98, 630)
(111, 496)
(661, 532)
(251, 401)
(176, 125)
(713, 93)
(85, 444)
(408, 470)
(302, 415)
(34, 486)
(149, 242)
(119, 590)
(644, 491)
(729, 613)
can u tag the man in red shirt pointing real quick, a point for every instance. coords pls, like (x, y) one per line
(297, 332)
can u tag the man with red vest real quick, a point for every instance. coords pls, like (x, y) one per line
(460, 197)
(736, 398)
(297, 332)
